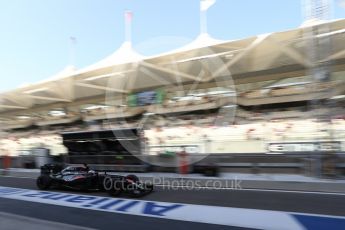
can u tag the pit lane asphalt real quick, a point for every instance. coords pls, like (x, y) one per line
(315, 203)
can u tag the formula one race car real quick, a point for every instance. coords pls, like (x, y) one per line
(83, 179)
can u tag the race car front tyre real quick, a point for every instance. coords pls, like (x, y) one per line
(116, 188)
(145, 189)
(149, 187)
(133, 178)
(136, 193)
(43, 182)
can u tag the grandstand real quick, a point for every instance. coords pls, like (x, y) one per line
(251, 92)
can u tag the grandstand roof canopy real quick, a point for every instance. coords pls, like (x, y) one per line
(265, 57)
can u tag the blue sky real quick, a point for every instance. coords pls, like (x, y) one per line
(34, 42)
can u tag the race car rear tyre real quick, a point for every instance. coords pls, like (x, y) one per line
(43, 182)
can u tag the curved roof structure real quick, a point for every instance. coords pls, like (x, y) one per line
(66, 72)
(124, 55)
(264, 57)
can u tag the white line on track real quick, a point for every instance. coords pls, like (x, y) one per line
(20, 177)
(229, 189)
(253, 189)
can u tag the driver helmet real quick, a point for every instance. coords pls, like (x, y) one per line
(92, 171)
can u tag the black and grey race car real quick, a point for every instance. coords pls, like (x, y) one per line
(84, 179)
